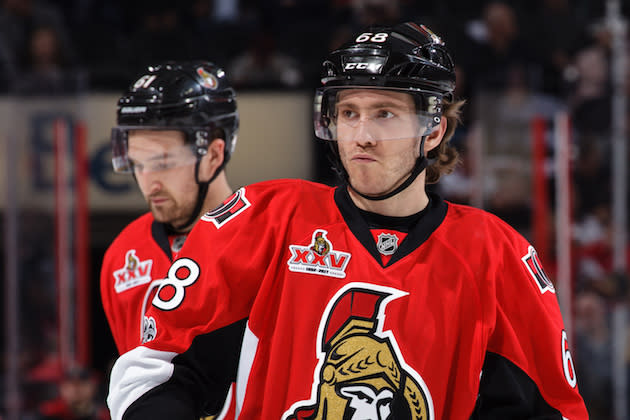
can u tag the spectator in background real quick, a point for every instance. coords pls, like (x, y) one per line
(161, 35)
(370, 12)
(554, 32)
(505, 117)
(209, 21)
(78, 399)
(593, 357)
(595, 270)
(589, 76)
(591, 174)
(18, 19)
(48, 68)
(497, 48)
(223, 11)
(101, 41)
(262, 65)
(7, 66)
(22, 23)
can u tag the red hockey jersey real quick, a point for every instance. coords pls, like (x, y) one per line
(461, 322)
(140, 254)
(133, 267)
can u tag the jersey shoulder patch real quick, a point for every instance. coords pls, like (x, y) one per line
(231, 207)
(535, 269)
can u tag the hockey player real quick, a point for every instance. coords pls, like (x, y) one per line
(373, 300)
(176, 130)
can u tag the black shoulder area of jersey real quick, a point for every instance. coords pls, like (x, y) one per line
(201, 378)
(507, 392)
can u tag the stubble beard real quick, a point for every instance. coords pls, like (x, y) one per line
(170, 213)
(377, 183)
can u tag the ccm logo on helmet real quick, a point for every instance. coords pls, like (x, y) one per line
(373, 67)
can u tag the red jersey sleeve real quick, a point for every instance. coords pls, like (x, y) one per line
(206, 297)
(528, 339)
(210, 286)
(109, 303)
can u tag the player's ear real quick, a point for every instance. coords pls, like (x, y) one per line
(434, 139)
(212, 160)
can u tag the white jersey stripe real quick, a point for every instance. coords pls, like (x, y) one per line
(134, 374)
(248, 353)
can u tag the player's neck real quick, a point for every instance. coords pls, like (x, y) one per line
(411, 200)
(218, 191)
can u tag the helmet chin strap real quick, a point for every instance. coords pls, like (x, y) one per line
(420, 165)
(201, 196)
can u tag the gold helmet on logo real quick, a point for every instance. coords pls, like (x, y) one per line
(361, 373)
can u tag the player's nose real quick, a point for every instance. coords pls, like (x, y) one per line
(362, 133)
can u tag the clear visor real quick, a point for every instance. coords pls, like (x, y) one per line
(358, 113)
(146, 154)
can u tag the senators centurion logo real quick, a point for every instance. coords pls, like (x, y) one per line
(361, 373)
(134, 273)
(319, 257)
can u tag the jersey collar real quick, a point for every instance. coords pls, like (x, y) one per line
(159, 231)
(433, 216)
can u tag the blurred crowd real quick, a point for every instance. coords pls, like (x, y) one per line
(279, 43)
(515, 59)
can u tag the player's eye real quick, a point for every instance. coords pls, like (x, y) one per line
(347, 114)
(136, 166)
(164, 162)
(384, 114)
(162, 165)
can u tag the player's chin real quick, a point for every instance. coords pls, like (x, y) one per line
(163, 215)
(368, 188)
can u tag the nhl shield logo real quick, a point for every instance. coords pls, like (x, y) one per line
(387, 243)
(178, 243)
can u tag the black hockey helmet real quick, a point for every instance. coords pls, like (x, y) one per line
(407, 58)
(194, 97)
